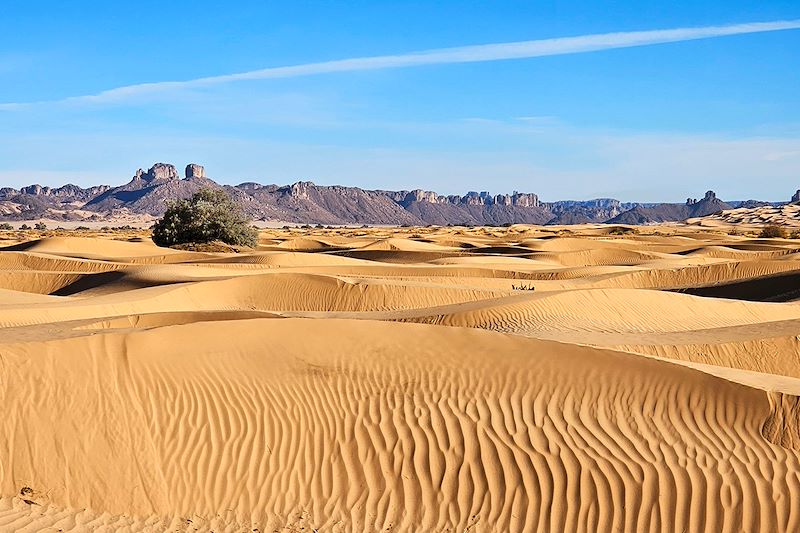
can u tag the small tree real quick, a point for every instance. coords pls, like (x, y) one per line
(6, 226)
(772, 232)
(24, 227)
(40, 226)
(209, 215)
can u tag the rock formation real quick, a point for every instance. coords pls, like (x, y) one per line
(300, 189)
(307, 203)
(672, 212)
(195, 171)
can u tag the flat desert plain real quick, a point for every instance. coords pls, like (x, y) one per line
(421, 379)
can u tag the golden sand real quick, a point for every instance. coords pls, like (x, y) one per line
(428, 379)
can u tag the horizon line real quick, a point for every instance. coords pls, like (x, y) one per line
(410, 190)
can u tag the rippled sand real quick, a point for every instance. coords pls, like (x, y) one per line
(422, 379)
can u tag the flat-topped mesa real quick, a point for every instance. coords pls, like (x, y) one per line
(525, 199)
(517, 199)
(418, 195)
(68, 191)
(193, 170)
(35, 189)
(471, 198)
(163, 171)
(475, 198)
(159, 171)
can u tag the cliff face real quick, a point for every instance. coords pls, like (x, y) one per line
(708, 205)
(148, 192)
(305, 202)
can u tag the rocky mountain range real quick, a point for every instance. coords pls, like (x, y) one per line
(708, 205)
(148, 192)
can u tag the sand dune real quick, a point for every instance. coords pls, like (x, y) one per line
(787, 215)
(485, 379)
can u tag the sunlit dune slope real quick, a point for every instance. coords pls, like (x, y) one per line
(419, 379)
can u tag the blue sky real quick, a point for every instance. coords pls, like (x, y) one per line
(656, 122)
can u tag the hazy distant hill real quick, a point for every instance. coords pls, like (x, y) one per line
(304, 202)
(672, 212)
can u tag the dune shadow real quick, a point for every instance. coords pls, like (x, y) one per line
(784, 287)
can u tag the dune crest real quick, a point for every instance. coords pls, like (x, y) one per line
(381, 380)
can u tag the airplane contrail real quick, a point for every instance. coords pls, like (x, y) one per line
(440, 56)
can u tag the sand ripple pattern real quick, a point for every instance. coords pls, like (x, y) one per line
(374, 434)
(400, 380)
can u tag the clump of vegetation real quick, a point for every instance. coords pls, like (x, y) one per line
(40, 226)
(772, 232)
(523, 287)
(210, 215)
(82, 228)
(795, 234)
(622, 230)
(24, 227)
(5, 226)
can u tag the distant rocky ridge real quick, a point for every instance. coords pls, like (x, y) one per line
(708, 205)
(303, 202)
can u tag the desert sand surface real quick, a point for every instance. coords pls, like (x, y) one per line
(749, 218)
(588, 378)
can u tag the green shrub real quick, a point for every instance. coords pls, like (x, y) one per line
(40, 226)
(6, 226)
(24, 227)
(210, 215)
(773, 232)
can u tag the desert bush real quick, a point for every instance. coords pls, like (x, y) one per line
(40, 226)
(6, 226)
(24, 227)
(795, 234)
(772, 232)
(622, 230)
(210, 215)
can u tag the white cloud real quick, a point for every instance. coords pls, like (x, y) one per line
(463, 54)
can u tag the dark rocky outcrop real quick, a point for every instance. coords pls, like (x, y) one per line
(194, 170)
(148, 192)
(37, 201)
(586, 211)
(305, 202)
(708, 205)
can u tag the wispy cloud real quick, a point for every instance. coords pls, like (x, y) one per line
(463, 54)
